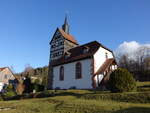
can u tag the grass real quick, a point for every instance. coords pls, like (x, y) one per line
(147, 83)
(69, 103)
(72, 104)
(81, 101)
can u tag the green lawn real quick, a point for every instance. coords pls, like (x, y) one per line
(82, 101)
(71, 104)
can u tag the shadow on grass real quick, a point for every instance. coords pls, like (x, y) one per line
(145, 86)
(45, 95)
(78, 93)
(134, 110)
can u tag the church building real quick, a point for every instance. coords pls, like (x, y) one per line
(77, 66)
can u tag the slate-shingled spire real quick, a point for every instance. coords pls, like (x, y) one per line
(65, 26)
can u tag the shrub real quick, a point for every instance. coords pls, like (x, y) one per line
(121, 80)
(38, 87)
(27, 84)
(37, 81)
(10, 92)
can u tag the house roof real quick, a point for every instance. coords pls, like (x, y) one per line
(105, 65)
(2, 68)
(66, 36)
(78, 53)
(16, 76)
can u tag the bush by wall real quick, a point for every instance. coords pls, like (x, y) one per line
(121, 80)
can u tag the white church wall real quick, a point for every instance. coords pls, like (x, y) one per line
(100, 57)
(69, 76)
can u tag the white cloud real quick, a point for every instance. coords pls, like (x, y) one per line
(131, 49)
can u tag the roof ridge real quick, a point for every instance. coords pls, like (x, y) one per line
(85, 44)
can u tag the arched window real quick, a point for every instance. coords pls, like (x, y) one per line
(61, 73)
(78, 70)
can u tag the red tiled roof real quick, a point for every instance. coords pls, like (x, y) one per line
(105, 65)
(68, 36)
(78, 53)
(1, 69)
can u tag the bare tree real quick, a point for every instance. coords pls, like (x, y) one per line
(141, 55)
(12, 69)
(28, 70)
(137, 62)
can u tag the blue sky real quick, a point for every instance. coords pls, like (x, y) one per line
(27, 26)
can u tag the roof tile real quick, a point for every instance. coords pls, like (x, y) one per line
(68, 37)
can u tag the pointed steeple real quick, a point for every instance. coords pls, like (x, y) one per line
(65, 26)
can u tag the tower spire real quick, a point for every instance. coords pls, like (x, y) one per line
(65, 26)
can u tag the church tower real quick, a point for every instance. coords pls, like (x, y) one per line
(60, 43)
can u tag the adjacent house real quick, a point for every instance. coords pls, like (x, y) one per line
(77, 66)
(6, 77)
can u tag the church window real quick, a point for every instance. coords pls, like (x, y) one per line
(78, 70)
(61, 73)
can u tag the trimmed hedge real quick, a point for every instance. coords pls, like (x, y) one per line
(134, 97)
(43, 94)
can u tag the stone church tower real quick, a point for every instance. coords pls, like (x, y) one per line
(60, 43)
